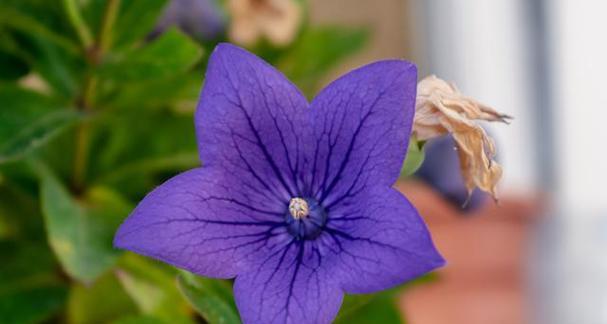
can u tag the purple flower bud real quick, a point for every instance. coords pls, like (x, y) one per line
(200, 19)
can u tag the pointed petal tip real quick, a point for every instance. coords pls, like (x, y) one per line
(401, 64)
(224, 46)
(228, 49)
(438, 262)
(119, 241)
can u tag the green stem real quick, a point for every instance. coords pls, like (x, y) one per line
(75, 18)
(109, 17)
(86, 102)
(83, 137)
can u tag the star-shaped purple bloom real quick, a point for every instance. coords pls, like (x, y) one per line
(294, 198)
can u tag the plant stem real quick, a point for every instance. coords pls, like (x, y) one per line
(83, 137)
(75, 18)
(95, 53)
(109, 17)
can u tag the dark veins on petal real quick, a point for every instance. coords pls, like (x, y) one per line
(263, 146)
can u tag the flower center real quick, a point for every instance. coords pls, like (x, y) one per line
(305, 218)
(298, 208)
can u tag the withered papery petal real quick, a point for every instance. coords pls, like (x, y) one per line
(441, 109)
(280, 24)
(277, 20)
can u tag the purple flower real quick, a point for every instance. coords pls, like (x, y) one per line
(201, 19)
(295, 198)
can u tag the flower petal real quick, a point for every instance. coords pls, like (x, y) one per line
(253, 122)
(381, 241)
(362, 126)
(290, 286)
(196, 221)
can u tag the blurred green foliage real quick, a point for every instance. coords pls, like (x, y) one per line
(415, 157)
(94, 113)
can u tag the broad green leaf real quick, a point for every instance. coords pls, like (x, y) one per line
(414, 159)
(33, 304)
(135, 20)
(26, 112)
(212, 298)
(37, 134)
(100, 302)
(172, 53)
(152, 287)
(80, 232)
(138, 150)
(317, 51)
(20, 108)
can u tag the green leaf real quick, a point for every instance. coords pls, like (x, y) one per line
(37, 32)
(381, 309)
(62, 70)
(31, 304)
(181, 89)
(37, 134)
(376, 308)
(12, 67)
(32, 25)
(414, 159)
(20, 216)
(138, 150)
(27, 115)
(21, 107)
(139, 319)
(317, 51)
(173, 53)
(212, 298)
(30, 290)
(93, 11)
(152, 287)
(100, 302)
(80, 232)
(179, 161)
(17, 271)
(135, 20)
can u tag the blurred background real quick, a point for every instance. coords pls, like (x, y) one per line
(96, 103)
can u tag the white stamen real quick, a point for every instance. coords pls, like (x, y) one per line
(298, 208)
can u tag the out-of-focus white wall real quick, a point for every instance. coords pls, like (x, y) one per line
(492, 50)
(481, 46)
(578, 50)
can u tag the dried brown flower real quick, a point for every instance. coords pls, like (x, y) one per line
(441, 109)
(276, 20)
